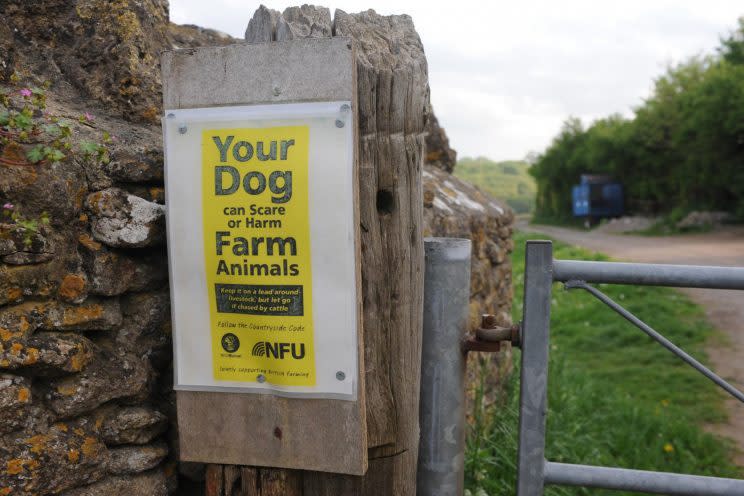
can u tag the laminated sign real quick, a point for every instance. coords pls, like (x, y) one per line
(262, 247)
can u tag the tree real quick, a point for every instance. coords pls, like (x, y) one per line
(684, 148)
(732, 49)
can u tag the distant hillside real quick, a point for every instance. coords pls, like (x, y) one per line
(508, 180)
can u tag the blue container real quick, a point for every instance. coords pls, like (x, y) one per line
(597, 197)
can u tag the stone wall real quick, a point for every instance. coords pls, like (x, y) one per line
(454, 208)
(85, 381)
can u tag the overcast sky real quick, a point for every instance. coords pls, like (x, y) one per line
(505, 75)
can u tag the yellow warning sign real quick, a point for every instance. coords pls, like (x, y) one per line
(257, 254)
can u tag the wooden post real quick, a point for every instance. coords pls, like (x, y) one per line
(393, 95)
(324, 433)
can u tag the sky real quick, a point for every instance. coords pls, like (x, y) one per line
(505, 75)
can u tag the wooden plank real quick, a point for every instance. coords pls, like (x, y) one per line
(214, 480)
(308, 70)
(249, 481)
(277, 482)
(261, 429)
(231, 477)
(241, 429)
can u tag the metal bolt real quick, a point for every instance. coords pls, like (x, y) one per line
(340, 376)
(261, 378)
(182, 129)
(171, 115)
(339, 123)
(345, 107)
(277, 91)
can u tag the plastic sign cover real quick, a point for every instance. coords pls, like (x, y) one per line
(260, 205)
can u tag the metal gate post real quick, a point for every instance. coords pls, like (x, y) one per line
(538, 280)
(441, 466)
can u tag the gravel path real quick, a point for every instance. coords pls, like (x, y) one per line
(725, 309)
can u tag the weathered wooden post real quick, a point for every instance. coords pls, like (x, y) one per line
(385, 81)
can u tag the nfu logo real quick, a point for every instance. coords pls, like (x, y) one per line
(279, 350)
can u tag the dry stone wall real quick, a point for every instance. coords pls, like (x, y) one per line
(86, 401)
(454, 208)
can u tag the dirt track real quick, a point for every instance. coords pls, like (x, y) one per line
(725, 309)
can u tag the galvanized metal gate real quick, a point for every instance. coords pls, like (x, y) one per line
(540, 272)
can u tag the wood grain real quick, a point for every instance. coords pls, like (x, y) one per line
(392, 98)
(262, 429)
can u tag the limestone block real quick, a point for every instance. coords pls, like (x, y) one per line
(18, 282)
(109, 376)
(135, 459)
(438, 151)
(112, 272)
(136, 164)
(125, 221)
(152, 483)
(20, 246)
(133, 425)
(52, 460)
(93, 314)
(73, 288)
(47, 354)
(146, 328)
(15, 402)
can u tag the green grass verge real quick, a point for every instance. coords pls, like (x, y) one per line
(616, 398)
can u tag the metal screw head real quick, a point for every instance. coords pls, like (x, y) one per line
(345, 107)
(340, 376)
(171, 115)
(261, 378)
(339, 123)
(182, 129)
(277, 91)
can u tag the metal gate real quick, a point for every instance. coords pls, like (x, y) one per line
(534, 471)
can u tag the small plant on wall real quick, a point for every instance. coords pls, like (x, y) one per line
(32, 136)
(27, 227)
(28, 134)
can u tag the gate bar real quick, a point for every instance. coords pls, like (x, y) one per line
(640, 480)
(533, 390)
(686, 276)
(658, 337)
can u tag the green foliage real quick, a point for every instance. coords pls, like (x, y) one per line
(94, 151)
(24, 125)
(21, 121)
(683, 149)
(732, 47)
(30, 227)
(42, 152)
(508, 180)
(616, 398)
(28, 131)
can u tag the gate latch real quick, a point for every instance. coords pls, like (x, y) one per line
(489, 336)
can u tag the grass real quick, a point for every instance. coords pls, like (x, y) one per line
(508, 180)
(616, 398)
